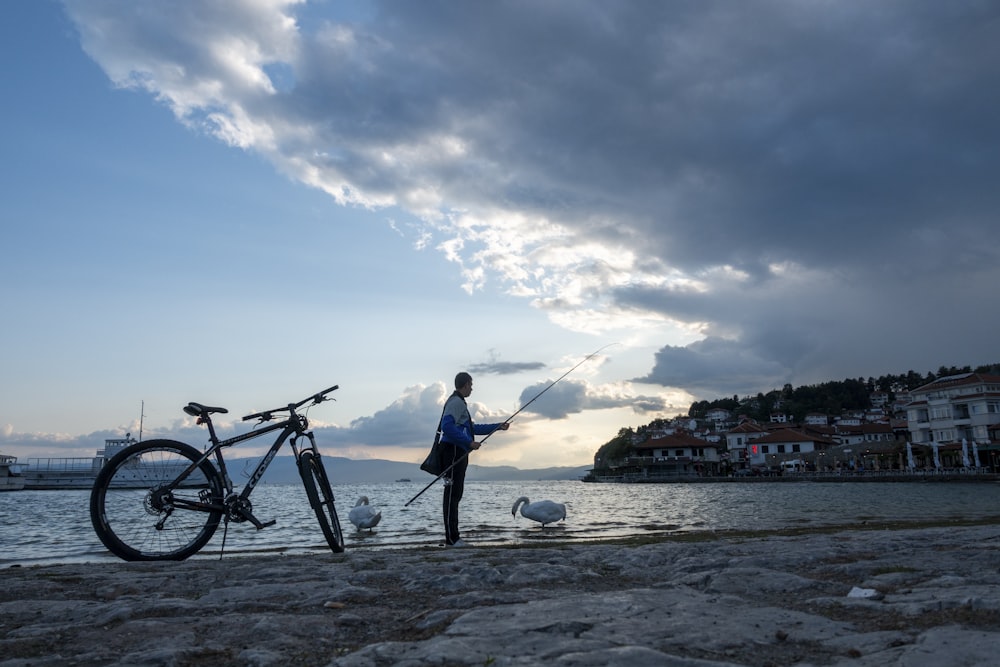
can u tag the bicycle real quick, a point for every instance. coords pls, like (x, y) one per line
(163, 499)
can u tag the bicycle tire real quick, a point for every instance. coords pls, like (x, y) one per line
(125, 507)
(316, 482)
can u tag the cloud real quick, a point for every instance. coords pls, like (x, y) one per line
(789, 182)
(61, 445)
(409, 421)
(496, 367)
(697, 365)
(574, 396)
(506, 367)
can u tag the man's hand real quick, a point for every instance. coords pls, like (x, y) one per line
(476, 445)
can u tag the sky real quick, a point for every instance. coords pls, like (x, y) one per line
(242, 202)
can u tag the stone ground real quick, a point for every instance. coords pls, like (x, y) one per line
(864, 596)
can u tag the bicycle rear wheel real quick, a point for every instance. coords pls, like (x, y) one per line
(137, 518)
(321, 498)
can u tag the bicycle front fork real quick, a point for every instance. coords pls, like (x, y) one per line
(295, 447)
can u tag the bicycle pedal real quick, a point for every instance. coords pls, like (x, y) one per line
(267, 524)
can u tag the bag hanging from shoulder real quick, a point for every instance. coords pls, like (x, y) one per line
(434, 463)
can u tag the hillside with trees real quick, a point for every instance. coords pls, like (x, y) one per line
(829, 397)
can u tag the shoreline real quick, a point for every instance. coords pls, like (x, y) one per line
(817, 478)
(882, 593)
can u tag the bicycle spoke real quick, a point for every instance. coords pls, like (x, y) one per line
(132, 496)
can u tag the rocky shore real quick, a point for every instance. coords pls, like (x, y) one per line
(860, 596)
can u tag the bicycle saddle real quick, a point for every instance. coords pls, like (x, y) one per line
(198, 410)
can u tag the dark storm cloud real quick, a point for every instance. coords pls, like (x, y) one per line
(717, 132)
(696, 367)
(808, 185)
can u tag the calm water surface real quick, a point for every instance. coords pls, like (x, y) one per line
(54, 526)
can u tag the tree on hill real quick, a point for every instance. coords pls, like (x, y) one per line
(616, 448)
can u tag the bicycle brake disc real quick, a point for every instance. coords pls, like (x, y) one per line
(157, 501)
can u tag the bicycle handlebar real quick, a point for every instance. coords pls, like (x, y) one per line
(318, 397)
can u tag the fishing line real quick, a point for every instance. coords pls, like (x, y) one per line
(507, 421)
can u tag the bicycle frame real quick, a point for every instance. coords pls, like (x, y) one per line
(294, 426)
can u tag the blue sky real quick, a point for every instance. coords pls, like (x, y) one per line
(240, 203)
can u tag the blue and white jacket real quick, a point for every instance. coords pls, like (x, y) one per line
(456, 424)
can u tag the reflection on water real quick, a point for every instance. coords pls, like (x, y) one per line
(54, 526)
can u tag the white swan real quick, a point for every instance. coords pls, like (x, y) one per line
(542, 511)
(364, 515)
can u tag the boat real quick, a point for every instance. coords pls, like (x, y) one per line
(72, 473)
(404, 479)
(11, 476)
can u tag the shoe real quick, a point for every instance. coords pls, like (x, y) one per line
(459, 543)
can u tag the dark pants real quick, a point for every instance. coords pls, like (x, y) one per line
(454, 486)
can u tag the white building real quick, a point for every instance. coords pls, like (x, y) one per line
(859, 434)
(879, 399)
(785, 444)
(739, 439)
(954, 407)
(718, 415)
(817, 419)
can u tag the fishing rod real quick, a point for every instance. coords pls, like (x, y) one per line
(508, 420)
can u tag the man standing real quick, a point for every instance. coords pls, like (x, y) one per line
(458, 436)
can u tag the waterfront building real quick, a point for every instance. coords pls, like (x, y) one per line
(672, 456)
(954, 407)
(738, 442)
(864, 433)
(785, 444)
(943, 413)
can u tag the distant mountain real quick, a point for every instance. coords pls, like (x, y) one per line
(375, 471)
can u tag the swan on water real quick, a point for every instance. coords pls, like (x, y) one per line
(542, 511)
(364, 515)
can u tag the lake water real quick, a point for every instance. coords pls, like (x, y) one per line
(38, 527)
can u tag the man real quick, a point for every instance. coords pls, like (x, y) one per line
(458, 436)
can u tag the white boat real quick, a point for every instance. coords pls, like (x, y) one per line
(11, 477)
(71, 473)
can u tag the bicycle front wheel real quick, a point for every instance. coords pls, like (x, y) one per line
(321, 498)
(137, 517)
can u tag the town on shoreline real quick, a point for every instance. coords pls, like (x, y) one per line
(942, 430)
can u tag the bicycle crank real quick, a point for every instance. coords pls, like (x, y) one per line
(240, 510)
